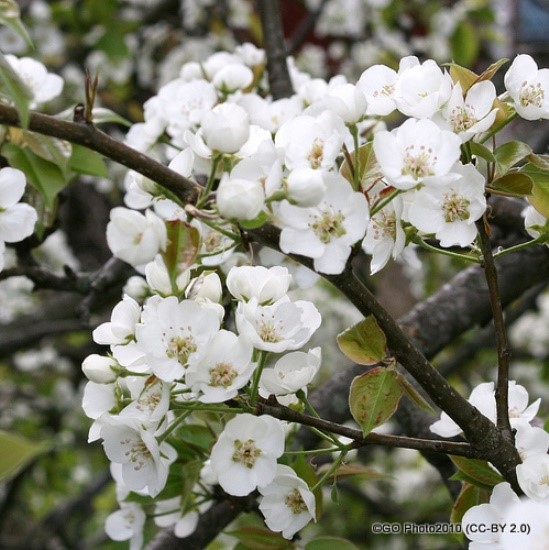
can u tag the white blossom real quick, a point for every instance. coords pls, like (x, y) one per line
(266, 285)
(287, 503)
(127, 524)
(533, 476)
(327, 231)
(279, 327)
(244, 456)
(528, 88)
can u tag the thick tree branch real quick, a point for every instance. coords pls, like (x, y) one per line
(280, 83)
(96, 140)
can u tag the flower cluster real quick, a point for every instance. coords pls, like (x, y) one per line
(532, 443)
(173, 354)
(320, 164)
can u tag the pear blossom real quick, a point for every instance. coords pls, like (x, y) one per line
(205, 288)
(99, 369)
(215, 247)
(534, 514)
(347, 101)
(225, 128)
(418, 151)
(470, 115)
(305, 187)
(239, 199)
(127, 524)
(269, 114)
(16, 219)
(483, 398)
(121, 328)
(530, 440)
(216, 374)
(528, 87)
(244, 456)
(291, 373)
(184, 103)
(43, 85)
(313, 142)
(279, 327)
(450, 211)
(287, 503)
(168, 513)
(97, 400)
(171, 331)
(145, 462)
(233, 77)
(422, 89)
(134, 237)
(158, 278)
(502, 499)
(327, 231)
(150, 399)
(533, 476)
(533, 218)
(378, 85)
(266, 285)
(385, 237)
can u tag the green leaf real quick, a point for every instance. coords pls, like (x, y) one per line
(476, 472)
(43, 175)
(509, 154)
(12, 87)
(10, 16)
(182, 248)
(16, 453)
(330, 543)
(367, 163)
(190, 476)
(481, 151)
(540, 161)
(469, 496)
(49, 148)
(539, 198)
(334, 494)
(261, 219)
(464, 76)
(490, 71)
(512, 184)
(363, 343)
(260, 538)
(86, 161)
(374, 397)
(465, 44)
(412, 393)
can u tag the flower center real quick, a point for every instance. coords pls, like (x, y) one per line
(246, 452)
(418, 164)
(268, 331)
(531, 94)
(138, 453)
(222, 374)
(388, 90)
(384, 226)
(294, 501)
(150, 398)
(462, 118)
(180, 347)
(544, 480)
(328, 225)
(455, 208)
(316, 154)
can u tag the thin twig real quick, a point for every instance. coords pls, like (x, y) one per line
(503, 352)
(272, 408)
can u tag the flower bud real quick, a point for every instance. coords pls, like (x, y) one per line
(239, 199)
(305, 186)
(99, 369)
(226, 128)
